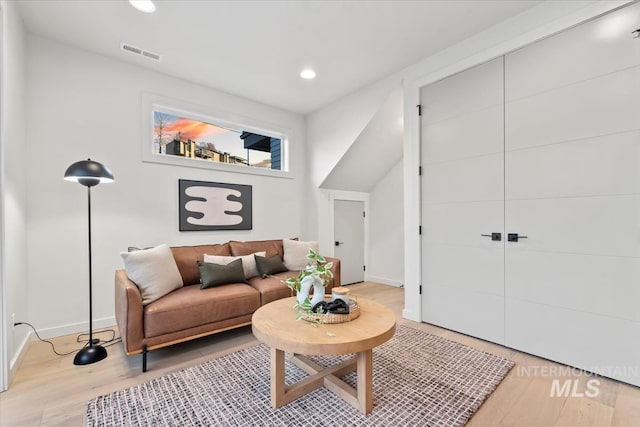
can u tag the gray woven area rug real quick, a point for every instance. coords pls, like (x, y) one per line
(419, 379)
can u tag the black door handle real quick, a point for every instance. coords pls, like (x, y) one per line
(338, 243)
(514, 237)
(496, 237)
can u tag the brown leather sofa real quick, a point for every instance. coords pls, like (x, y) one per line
(189, 312)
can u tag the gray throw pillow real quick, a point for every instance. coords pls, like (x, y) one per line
(217, 274)
(272, 265)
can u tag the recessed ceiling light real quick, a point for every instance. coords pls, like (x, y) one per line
(146, 6)
(308, 74)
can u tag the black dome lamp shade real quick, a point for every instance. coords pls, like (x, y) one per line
(89, 173)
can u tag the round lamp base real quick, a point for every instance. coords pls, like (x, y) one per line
(90, 355)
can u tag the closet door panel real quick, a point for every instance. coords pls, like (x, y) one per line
(472, 313)
(463, 224)
(600, 106)
(601, 285)
(483, 129)
(595, 166)
(603, 225)
(597, 343)
(483, 273)
(474, 179)
(460, 94)
(592, 49)
(462, 198)
(572, 168)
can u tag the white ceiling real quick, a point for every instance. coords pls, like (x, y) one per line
(256, 49)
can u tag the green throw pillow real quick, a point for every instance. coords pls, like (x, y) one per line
(218, 274)
(272, 265)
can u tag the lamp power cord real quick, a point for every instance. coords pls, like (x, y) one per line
(107, 343)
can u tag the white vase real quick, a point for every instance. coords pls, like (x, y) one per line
(305, 288)
(318, 291)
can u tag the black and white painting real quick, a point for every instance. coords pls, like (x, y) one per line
(214, 206)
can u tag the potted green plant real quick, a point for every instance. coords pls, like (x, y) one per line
(316, 275)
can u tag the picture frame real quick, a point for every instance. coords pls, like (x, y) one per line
(212, 206)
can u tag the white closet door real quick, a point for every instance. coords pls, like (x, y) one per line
(462, 136)
(572, 173)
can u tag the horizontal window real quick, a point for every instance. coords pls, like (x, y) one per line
(195, 140)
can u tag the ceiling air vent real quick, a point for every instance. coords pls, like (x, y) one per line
(137, 51)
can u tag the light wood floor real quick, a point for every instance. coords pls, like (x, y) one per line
(49, 390)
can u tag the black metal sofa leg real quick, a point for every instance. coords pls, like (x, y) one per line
(144, 358)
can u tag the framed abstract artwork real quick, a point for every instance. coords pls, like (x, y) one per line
(214, 206)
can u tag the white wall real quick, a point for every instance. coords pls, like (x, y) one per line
(386, 229)
(13, 195)
(330, 133)
(82, 105)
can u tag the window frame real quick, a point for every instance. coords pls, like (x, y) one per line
(152, 103)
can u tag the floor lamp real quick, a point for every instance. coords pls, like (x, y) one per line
(89, 173)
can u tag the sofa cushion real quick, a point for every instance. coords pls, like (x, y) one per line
(267, 266)
(248, 262)
(220, 274)
(295, 253)
(187, 256)
(271, 247)
(153, 270)
(273, 288)
(190, 307)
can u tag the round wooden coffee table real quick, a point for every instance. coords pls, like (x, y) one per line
(275, 324)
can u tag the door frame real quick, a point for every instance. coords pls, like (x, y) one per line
(350, 196)
(5, 365)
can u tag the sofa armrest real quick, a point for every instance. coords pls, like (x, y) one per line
(336, 272)
(128, 312)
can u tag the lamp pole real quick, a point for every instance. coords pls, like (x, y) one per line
(90, 270)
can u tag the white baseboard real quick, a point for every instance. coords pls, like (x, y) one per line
(76, 328)
(17, 359)
(410, 315)
(384, 281)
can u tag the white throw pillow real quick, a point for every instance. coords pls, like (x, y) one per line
(248, 262)
(153, 270)
(295, 253)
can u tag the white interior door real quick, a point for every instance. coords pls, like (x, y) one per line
(349, 239)
(462, 144)
(573, 188)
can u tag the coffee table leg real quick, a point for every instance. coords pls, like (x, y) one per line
(365, 381)
(363, 392)
(277, 378)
